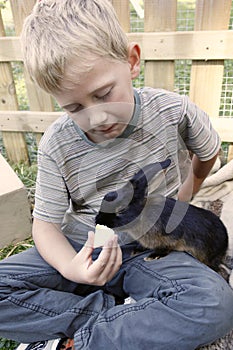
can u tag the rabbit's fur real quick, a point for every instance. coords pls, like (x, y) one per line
(163, 224)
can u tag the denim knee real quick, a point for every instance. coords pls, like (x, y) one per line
(183, 284)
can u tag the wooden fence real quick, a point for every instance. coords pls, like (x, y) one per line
(208, 46)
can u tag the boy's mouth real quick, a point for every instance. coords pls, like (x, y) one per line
(106, 132)
(105, 129)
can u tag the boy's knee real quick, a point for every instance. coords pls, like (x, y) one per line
(221, 301)
(218, 309)
(209, 302)
(181, 280)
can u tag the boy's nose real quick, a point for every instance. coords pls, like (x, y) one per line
(98, 118)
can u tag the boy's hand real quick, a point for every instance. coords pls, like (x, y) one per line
(82, 269)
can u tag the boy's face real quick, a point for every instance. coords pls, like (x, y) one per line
(100, 101)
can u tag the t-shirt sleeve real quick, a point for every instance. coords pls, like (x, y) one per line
(197, 131)
(51, 197)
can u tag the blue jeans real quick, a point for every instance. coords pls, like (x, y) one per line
(180, 304)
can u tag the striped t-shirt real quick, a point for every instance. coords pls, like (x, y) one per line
(74, 173)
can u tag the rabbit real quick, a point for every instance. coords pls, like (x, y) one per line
(161, 223)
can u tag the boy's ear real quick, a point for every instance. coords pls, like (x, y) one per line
(134, 53)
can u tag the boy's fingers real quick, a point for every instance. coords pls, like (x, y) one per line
(90, 239)
(101, 262)
(115, 265)
(107, 264)
(109, 259)
(88, 247)
(104, 256)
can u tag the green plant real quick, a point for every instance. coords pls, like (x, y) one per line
(16, 248)
(18, 74)
(6, 344)
(27, 174)
(3, 4)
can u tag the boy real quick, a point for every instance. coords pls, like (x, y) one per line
(76, 50)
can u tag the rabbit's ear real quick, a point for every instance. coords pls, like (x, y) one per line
(151, 170)
(144, 176)
(118, 200)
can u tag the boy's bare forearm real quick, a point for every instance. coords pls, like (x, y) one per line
(52, 244)
(198, 172)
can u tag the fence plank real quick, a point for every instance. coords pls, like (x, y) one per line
(10, 49)
(20, 10)
(230, 153)
(30, 121)
(38, 99)
(193, 45)
(206, 77)
(160, 15)
(122, 9)
(224, 126)
(15, 144)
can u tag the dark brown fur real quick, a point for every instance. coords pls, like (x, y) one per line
(164, 224)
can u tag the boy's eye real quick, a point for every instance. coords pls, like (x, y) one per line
(104, 94)
(76, 109)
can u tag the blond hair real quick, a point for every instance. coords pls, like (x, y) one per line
(58, 31)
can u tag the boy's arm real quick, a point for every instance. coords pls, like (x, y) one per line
(197, 174)
(77, 267)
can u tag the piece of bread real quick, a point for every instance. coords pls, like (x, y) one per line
(102, 235)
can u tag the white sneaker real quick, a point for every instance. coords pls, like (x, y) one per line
(40, 345)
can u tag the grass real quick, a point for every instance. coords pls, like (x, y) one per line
(16, 248)
(27, 174)
(6, 344)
